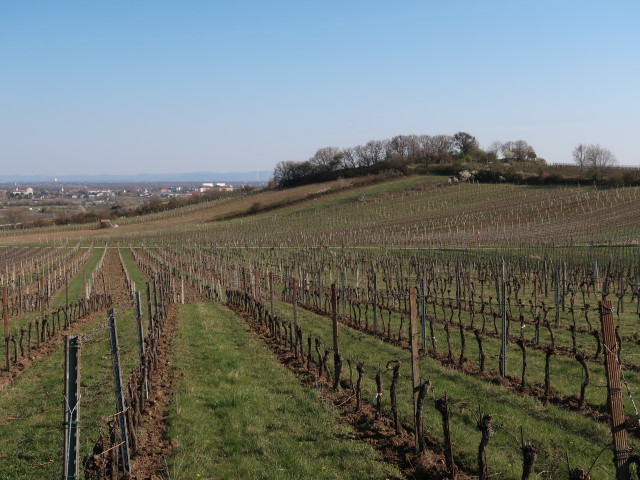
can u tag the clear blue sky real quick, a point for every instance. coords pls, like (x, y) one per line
(180, 86)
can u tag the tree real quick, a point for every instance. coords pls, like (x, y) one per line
(444, 143)
(328, 158)
(404, 146)
(371, 153)
(580, 154)
(286, 172)
(594, 159)
(349, 158)
(13, 216)
(465, 143)
(518, 151)
(495, 148)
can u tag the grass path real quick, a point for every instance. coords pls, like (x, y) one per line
(238, 414)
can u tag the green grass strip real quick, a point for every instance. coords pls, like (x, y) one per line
(134, 272)
(238, 414)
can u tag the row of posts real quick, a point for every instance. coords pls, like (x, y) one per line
(619, 425)
(72, 388)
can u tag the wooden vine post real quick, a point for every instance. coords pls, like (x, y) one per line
(149, 314)
(337, 359)
(121, 418)
(614, 391)
(423, 310)
(71, 443)
(273, 311)
(501, 294)
(5, 320)
(375, 302)
(415, 365)
(141, 346)
(295, 301)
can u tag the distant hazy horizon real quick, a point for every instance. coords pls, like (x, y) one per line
(133, 87)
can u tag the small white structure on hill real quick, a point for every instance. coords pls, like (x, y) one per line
(216, 187)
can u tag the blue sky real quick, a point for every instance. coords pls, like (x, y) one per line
(159, 86)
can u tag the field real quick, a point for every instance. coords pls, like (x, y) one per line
(405, 327)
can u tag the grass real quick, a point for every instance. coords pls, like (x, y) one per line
(238, 414)
(136, 276)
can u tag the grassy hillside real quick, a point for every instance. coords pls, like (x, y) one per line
(414, 211)
(426, 211)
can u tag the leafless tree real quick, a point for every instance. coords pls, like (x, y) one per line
(404, 146)
(288, 171)
(518, 150)
(12, 216)
(495, 148)
(349, 158)
(327, 158)
(465, 143)
(443, 143)
(595, 160)
(371, 153)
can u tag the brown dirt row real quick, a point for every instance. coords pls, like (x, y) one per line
(397, 449)
(148, 462)
(113, 279)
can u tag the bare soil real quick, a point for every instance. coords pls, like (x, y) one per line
(154, 446)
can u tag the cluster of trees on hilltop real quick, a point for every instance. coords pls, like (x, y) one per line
(398, 153)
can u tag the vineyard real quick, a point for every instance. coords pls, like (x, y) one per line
(412, 328)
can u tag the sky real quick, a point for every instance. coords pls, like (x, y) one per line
(184, 86)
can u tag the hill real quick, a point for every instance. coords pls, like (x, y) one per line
(411, 211)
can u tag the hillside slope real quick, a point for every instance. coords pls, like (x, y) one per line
(415, 211)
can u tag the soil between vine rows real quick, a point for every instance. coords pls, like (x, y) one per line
(148, 462)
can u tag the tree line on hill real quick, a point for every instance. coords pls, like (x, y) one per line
(447, 154)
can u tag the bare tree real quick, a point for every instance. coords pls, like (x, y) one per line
(444, 143)
(405, 146)
(373, 152)
(495, 148)
(595, 160)
(13, 216)
(518, 150)
(580, 154)
(349, 158)
(287, 173)
(327, 158)
(465, 143)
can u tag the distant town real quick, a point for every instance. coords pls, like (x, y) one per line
(56, 190)
(40, 204)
